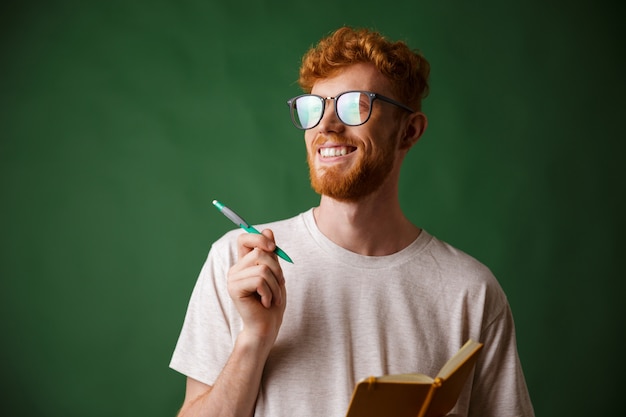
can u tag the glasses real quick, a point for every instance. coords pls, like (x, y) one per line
(353, 108)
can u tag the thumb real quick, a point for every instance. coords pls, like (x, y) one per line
(270, 236)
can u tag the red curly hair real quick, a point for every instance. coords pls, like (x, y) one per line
(407, 69)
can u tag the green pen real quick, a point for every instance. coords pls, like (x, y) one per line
(235, 218)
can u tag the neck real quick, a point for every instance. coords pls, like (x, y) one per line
(373, 226)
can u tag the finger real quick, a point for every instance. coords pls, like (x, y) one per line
(266, 294)
(258, 277)
(270, 235)
(269, 288)
(270, 259)
(257, 256)
(246, 242)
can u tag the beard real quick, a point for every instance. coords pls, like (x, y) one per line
(365, 176)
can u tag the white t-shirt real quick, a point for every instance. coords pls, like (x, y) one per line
(350, 316)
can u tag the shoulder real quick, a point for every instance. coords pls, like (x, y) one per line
(289, 225)
(462, 273)
(452, 259)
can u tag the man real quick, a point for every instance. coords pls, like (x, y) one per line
(369, 293)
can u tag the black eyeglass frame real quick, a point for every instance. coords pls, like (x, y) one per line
(372, 96)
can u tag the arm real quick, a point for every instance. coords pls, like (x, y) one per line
(499, 387)
(257, 288)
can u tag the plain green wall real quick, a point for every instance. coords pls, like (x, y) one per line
(122, 120)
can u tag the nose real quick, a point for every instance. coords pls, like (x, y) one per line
(330, 122)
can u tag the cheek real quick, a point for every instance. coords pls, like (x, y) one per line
(308, 140)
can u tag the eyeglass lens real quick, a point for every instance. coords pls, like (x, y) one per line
(353, 109)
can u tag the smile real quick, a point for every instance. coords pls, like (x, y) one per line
(336, 151)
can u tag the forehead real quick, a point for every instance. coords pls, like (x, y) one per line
(361, 76)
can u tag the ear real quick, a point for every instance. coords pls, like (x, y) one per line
(415, 126)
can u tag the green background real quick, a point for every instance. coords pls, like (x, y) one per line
(120, 121)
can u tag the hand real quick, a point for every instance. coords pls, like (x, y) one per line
(257, 286)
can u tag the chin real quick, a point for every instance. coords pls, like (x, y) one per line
(346, 188)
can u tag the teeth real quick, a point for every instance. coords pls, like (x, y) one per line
(331, 152)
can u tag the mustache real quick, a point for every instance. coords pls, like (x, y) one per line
(335, 138)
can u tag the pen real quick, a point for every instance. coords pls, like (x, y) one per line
(235, 218)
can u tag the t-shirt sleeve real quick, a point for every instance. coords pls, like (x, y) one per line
(211, 323)
(499, 387)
